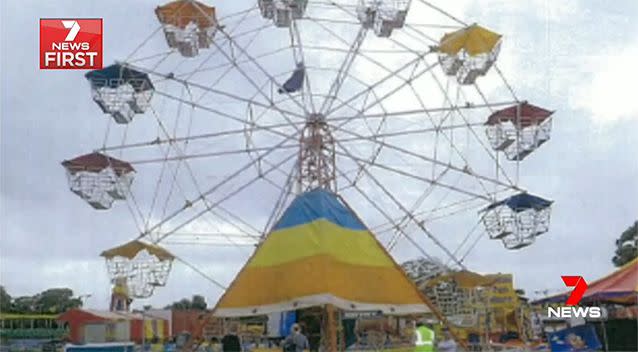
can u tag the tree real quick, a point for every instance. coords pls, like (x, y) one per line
(626, 246)
(51, 301)
(56, 300)
(23, 304)
(197, 302)
(5, 300)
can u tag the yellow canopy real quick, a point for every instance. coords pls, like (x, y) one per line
(131, 249)
(181, 12)
(320, 253)
(475, 40)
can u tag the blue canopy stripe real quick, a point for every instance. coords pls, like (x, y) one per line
(318, 204)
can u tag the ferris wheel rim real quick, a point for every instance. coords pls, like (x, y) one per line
(296, 120)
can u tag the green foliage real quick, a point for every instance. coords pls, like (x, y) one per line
(24, 304)
(5, 300)
(51, 301)
(626, 246)
(198, 302)
(56, 300)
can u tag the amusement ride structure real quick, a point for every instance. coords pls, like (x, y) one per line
(228, 111)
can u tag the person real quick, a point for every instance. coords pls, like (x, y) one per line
(296, 341)
(424, 337)
(447, 344)
(231, 343)
(215, 345)
(156, 345)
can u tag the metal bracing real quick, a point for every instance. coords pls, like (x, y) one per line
(316, 156)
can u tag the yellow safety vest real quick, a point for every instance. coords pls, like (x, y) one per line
(424, 340)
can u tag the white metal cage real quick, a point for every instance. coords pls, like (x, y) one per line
(516, 228)
(143, 273)
(526, 139)
(467, 68)
(514, 241)
(190, 39)
(382, 16)
(100, 189)
(121, 101)
(282, 12)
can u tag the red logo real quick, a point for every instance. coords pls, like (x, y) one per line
(579, 285)
(70, 44)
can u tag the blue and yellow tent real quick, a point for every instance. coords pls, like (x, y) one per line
(320, 253)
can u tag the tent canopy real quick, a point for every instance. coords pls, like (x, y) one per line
(116, 75)
(96, 162)
(474, 40)
(131, 249)
(621, 286)
(524, 114)
(182, 12)
(521, 202)
(320, 253)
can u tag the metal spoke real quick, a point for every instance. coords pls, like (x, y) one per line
(203, 195)
(386, 216)
(299, 57)
(400, 205)
(260, 67)
(337, 83)
(216, 91)
(464, 170)
(216, 203)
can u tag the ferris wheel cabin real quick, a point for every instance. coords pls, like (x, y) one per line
(282, 12)
(121, 91)
(382, 16)
(468, 53)
(99, 179)
(141, 266)
(519, 130)
(517, 220)
(188, 25)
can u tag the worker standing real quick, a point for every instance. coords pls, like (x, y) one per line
(424, 341)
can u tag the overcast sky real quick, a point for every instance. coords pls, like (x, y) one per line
(575, 57)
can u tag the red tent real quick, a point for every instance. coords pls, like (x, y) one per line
(621, 286)
(525, 113)
(96, 162)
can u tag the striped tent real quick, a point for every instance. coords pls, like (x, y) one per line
(320, 253)
(621, 287)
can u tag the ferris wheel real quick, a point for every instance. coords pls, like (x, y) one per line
(228, 110)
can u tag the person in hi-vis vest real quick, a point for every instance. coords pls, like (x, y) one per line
(424, 337)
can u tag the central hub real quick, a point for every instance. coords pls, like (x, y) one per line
(316, 118)
(316, 155)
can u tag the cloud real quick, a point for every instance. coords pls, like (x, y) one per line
(607, 90)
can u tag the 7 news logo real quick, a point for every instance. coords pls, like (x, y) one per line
(571, 311)
(70, 43)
